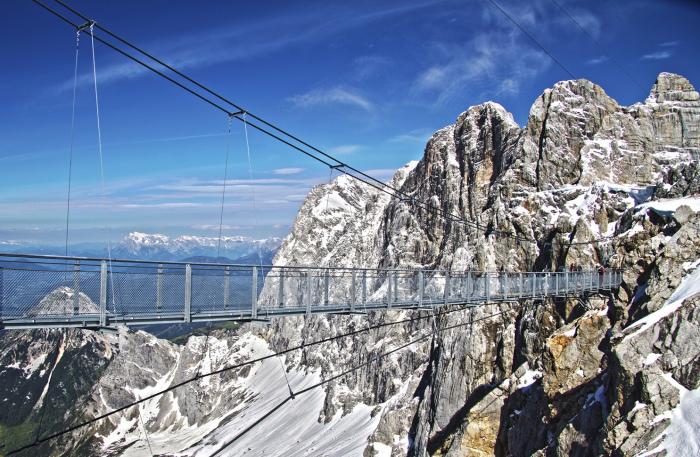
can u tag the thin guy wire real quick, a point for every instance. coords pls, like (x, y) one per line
(583, 29)
(42, 412)
(286, 379)
(144, 431)
(223, 190)
(102, 169)
(328, 194)
(532, 38)
(72, 135)
(252, 186)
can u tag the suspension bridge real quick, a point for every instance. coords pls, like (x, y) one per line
(64, 291)
(59, 291)
(42, 291)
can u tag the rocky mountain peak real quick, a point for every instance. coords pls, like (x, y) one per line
(672, 88)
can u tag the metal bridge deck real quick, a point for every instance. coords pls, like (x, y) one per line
(57, 291)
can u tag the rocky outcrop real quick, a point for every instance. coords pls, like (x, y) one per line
(62, 302)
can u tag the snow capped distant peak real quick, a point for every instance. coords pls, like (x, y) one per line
(146, 238)
(157, 245)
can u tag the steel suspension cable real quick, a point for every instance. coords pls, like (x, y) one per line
(233, 367)
(352, 369)
(375, 183)
(341, 166)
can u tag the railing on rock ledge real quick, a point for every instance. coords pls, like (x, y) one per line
(57, 291)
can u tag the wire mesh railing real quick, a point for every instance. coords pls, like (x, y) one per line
(53, 291)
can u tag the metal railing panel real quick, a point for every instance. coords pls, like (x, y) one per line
(60, 291)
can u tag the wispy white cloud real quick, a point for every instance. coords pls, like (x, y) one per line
(332, 96)
(496, 62)
(670, 44)
(215, 45)
(165, 205)
(366, 67)
(597, 60)
(412, 136)
(287, 171)
(587, 20)
(659, 55)
(215, 227)
(344, 149)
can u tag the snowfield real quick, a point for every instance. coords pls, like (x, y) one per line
(292, 430)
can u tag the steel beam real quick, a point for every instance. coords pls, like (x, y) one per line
(103, 294)
(188, 294)
(254, 294)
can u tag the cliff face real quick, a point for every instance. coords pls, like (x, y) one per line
(602, 375)
(551, 378)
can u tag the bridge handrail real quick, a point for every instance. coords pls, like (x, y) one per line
(135, 263)
(38, 291)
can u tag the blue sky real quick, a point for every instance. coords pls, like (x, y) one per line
(366, 80)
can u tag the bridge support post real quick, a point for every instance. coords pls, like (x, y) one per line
(388, 289)
(470, 286)
(280, 291)
(556, 284)
(420, 288)
(227, 280)
(308, 293)
(254, 295)
(447, 286)
(396, 287)
(522, 285)
(103, 294)
(76, 288)
(364, 288)
(159, 288)
(566, 281)
(2, 292)
(533, 278)
(188, 293)
(353, 293)
(326, 286)
(487, 286)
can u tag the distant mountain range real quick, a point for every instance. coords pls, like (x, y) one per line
(156, 246)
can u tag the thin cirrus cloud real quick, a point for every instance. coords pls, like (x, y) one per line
(659, 55)
(344, 149)
(597, 60)
(287, 171)
(420, 136)
(483, 65)
(369, 66)
(332, 96)
(228, 44)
